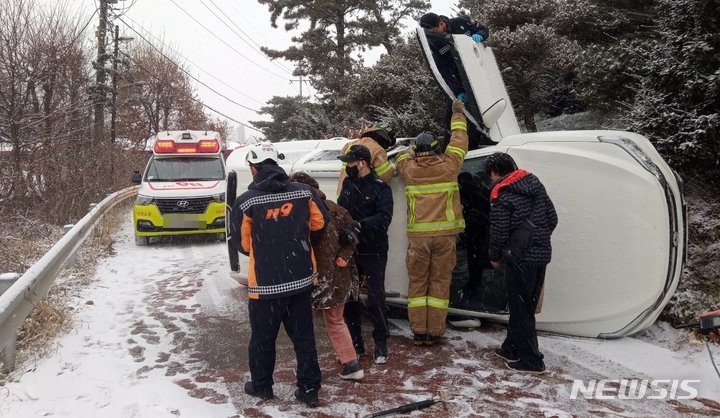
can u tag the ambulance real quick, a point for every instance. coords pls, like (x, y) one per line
(182, 190)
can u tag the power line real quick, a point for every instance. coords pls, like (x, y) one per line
(243, 32)
(246, 21)
(184, 70)
(152, 74)
(228, 45)
(192, 63)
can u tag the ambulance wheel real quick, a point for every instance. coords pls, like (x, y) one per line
(142, 241)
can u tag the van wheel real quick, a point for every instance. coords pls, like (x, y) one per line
(142, 241)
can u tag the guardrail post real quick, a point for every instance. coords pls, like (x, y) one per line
(8, 351)
(73, 258)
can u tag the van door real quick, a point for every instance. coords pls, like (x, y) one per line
(476, 285)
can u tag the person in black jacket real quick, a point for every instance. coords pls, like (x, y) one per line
(370, 203)
(271, 223)
(439, 31)
(514, 195)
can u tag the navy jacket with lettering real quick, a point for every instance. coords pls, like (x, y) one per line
(271, 223)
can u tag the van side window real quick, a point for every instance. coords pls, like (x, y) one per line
(475, 284)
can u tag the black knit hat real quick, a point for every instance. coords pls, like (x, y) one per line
(429, 20)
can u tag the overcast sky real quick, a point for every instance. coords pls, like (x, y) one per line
(220, 41)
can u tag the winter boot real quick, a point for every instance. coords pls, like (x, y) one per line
(381, 353)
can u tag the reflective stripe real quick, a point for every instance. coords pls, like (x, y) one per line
(451, 222)
(432, 188)
(438, 303)
(384, 168)
(455, 150)
(435, 226)
(417, 302)
(344, 165)
(458, 125)
(402, 156)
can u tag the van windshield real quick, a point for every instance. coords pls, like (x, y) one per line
(185, 169)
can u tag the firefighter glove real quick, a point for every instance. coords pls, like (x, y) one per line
(458, 106)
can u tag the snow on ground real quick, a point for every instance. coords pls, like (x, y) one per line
(162, 333)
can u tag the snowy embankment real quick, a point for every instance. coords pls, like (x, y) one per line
(162, 332)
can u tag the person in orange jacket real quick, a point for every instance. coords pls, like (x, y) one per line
(435, 218)
(271, 223)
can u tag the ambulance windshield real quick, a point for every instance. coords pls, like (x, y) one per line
(186, 169)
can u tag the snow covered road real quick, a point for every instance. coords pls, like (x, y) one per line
(162, 333)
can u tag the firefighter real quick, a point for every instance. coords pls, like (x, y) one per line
(434, 219)
(377, 139)
(272, 222)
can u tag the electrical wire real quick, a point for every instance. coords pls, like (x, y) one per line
(192, 63)
(712, 360)
(275, 63)
(152, 74)
(227, 44)
(246, 21)
(184, 70)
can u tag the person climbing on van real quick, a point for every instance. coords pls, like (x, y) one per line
(518, 196)
(338, 280)
(435, 218)
(271, 223)
(377, 139)
(439, 31)
(369, 201)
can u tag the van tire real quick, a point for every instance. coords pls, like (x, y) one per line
(142, 241)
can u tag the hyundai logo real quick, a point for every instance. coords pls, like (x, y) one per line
(183, 203)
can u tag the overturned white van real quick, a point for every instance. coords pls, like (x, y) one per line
(618, 250)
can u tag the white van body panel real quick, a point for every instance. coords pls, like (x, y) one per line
(612, 250)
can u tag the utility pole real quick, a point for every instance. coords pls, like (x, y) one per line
(116, 58)
(100, 74)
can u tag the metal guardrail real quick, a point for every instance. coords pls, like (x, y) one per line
(20, 298)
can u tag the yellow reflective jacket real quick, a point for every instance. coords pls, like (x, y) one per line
(383, 169)
(433, 196)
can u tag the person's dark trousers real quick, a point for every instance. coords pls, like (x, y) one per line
(373, 268)
(524, 284)
(295, 313)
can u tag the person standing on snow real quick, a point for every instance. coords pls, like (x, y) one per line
(439, 31)
(377, 139)
(338, 280)
(271, 223)
(516, 196)
(435, 218)
(370, 203)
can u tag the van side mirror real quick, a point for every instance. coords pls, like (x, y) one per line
(136, 177)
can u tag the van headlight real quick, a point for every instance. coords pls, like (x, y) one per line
(220, 197)
(143, 200)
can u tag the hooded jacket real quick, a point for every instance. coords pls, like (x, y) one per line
(336, 285)
(380, 164)
(510, 202)
(271, 223)
(431, 187)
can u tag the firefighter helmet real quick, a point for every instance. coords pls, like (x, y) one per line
(426, 144)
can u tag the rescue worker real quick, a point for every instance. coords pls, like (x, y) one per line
(338, 280)
(439, 31)
(370, 203)
(377, 139)
(435, 218)
(518, 195)
(271, 223)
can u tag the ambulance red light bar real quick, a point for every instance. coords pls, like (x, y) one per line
(204, 146)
